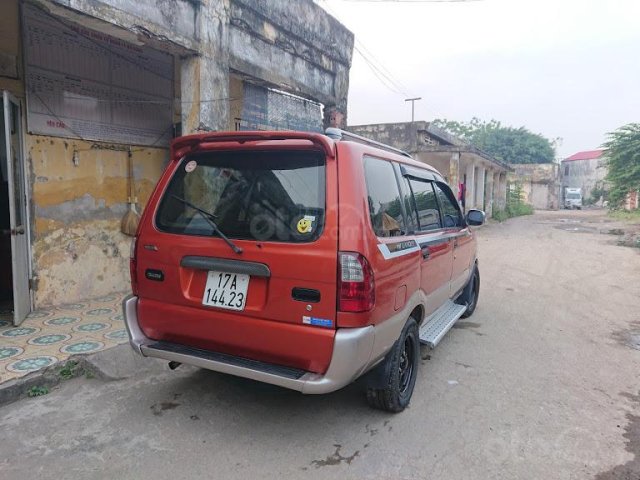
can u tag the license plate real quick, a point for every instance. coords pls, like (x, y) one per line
(226, 290)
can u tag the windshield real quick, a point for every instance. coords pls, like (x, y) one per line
(573, 196)
(253, 195)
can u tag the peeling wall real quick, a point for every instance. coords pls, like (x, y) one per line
(78, 190)
(78, 249)
(236, 92)
(402, 135)
(311, 49)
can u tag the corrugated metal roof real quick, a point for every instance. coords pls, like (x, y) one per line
(586, 155)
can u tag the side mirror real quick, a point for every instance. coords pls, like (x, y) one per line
(475, 217)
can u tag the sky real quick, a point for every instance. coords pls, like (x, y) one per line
(561, 68)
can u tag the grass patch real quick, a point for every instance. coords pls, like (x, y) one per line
(519, 209)
(626, 215)
(70, 370)
(499, 215)
(37, 391)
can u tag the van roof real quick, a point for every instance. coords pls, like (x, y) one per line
(326, 142)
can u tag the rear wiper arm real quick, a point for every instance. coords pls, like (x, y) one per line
(209, 217)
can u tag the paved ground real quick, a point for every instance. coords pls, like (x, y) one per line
(543, 382)
(54, 334)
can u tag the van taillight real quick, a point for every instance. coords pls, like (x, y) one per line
(356, 289)
(133, 265)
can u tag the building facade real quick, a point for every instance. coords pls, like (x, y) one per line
(540, 184)
(89, 84)
(585, 170)
(477, 179)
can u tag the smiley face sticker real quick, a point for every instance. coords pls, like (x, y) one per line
(305, 224)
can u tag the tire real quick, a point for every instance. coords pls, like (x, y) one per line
(398, 372)
(470, 294)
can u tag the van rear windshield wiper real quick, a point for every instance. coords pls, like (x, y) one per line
(209, 217)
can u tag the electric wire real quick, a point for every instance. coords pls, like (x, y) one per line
(387, 79)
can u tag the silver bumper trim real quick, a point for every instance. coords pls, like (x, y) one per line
(352, 355)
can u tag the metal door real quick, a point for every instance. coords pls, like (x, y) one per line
(17, 207)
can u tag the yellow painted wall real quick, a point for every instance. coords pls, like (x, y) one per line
(78, 250)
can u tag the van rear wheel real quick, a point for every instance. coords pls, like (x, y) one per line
(398, 372)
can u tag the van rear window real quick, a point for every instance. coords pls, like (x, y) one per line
(253, 195)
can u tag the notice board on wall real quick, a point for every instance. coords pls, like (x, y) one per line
(89, 85)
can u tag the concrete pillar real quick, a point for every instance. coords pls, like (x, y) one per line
(454, 175)
(204, 77)
(502, 191)
(335, 115)
(495, 193)
(488, 208)
(479, 198)
(470, 186)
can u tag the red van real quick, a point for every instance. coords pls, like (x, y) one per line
(302, 260)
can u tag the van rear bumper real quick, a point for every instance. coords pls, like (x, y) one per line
(351, 357)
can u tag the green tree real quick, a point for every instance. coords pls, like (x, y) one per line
(509, 144)
(623, 159)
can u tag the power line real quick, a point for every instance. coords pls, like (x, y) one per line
(400, 85)
(154, 102)
(376, 66)
(379, 75)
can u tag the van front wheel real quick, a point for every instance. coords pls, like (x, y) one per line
(470, 294)
(398, 373)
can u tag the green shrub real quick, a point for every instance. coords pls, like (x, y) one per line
(515, 207)
(37, 391)
(500, 215)
(519, 209)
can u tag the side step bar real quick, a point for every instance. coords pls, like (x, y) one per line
(434, 328)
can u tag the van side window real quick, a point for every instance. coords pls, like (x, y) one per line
(425, 198)
(410, 207)
(451, 216)
(383, 198)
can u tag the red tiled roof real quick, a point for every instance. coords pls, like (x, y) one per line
(587, 155)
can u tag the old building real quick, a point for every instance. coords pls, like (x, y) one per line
(540, 184)
(477, 179)
(91, 84)
(586, 170)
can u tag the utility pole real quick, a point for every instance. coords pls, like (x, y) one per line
(413, 105)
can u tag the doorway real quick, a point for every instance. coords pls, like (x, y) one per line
(15, 297)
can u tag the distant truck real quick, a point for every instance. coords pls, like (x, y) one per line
(573, 198)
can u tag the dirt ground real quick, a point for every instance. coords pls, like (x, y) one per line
(542, 382)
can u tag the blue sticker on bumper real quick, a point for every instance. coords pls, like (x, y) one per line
(318, 322)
